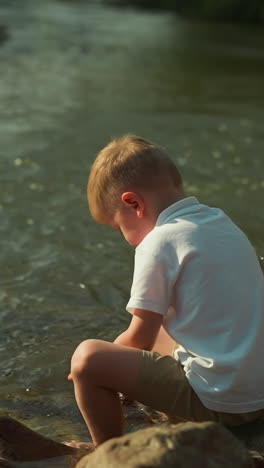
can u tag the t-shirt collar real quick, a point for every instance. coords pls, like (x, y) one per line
(177, 209)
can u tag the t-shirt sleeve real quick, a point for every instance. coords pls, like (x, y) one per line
(153, 281)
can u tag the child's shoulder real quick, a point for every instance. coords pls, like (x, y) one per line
(160, 242)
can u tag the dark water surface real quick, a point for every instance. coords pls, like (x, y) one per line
(72, 75)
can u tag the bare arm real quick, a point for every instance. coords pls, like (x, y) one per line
(142, 331)
(164, 344)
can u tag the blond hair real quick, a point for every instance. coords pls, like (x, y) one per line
(127, 163)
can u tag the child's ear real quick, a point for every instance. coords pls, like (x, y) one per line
(134, 201)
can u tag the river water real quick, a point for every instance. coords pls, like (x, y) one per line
(73, 75)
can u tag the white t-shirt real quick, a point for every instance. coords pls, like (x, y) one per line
(198, 270)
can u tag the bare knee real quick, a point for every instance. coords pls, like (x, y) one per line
(83, 362)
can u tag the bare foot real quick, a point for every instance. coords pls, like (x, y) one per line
(84, 446)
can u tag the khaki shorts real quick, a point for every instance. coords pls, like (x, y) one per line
(164, 387)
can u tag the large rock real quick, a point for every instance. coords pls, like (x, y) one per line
(185, 445)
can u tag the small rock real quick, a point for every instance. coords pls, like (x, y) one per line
(5, 464)
(258, 459)
(185, 445)
(18, 442)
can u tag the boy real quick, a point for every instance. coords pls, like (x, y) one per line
(197, 282)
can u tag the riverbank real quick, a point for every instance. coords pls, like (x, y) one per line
(233, 11)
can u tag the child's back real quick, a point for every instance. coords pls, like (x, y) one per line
(209, 277)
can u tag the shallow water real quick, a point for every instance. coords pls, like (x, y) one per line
(72, 75)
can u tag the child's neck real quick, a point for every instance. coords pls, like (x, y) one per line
(160, 203)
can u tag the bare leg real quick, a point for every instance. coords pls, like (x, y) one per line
(99, 370)
(164, 343)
